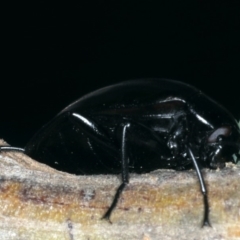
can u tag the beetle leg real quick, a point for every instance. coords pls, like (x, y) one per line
(12, 149)
(203, 189)
(125, 173)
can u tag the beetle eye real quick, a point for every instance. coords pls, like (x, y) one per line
(219, 134)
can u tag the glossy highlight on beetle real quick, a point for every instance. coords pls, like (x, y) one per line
(139, 126)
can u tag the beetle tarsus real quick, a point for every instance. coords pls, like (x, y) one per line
(206, 222)
(114, 203)
(107, 217)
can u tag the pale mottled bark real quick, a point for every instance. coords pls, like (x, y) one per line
(40, 203)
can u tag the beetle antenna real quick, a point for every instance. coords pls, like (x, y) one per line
(11, 149)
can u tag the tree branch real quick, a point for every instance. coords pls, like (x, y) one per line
(40, 203)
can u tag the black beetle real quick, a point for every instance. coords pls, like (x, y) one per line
(138, 126)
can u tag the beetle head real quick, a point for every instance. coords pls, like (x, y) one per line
(223, 146)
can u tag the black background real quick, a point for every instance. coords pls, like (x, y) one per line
(56, 52)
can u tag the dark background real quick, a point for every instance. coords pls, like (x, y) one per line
(56, 52)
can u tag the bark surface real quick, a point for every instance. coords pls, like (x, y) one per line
(40, 203)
